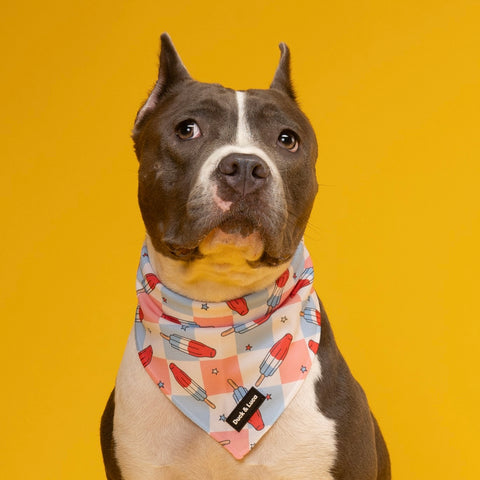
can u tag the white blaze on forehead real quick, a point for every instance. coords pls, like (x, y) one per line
(243, 131)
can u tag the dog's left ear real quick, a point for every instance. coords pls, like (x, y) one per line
(170, 72)
(282, 80)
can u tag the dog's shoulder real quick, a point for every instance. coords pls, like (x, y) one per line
(361, 450)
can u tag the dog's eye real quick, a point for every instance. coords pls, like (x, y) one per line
(289, 140)
(187, 130)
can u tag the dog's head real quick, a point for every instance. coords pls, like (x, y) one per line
(224, 165)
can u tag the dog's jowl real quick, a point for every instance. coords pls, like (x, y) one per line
(231, 370)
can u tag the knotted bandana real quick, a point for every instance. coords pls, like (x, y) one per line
(231, 367)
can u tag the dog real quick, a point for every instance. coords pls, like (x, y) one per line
(226, 186)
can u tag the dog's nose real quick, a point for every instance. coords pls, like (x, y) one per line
(244, 173)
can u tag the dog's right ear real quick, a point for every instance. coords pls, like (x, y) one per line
(170, 72)
(282, 80)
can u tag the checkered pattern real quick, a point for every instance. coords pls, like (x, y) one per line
(204, 355)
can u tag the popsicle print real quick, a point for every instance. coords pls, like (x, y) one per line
(306, 278)
(239, 392)
(276, 295)
(190, 386)
(312, 315)
(245, 327)
(189, 346)
(313, 346)
(150, 282)
(274, 358)
(139, 314)
(239, 305)
(146, 355)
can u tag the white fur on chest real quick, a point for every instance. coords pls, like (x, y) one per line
(154, 440)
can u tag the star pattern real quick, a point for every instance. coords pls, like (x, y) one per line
(248, 347)
(268, 396)
(214, 371)
(284, 319)
(222, 418)
(303, 369)
(184, 327)
(205, 306)
(161, 384)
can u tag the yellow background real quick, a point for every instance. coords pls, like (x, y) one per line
(393, 91)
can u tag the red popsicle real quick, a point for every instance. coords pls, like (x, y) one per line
(306, 278)
(312, 315)
(239, 305)
(313, 346)
(191, 386)
(152, 281)
(146, 355)
(276, 296)
(189, 346)
(274, 358)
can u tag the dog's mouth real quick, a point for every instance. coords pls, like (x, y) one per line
(252, 234)
(240, 225)
(183, 253)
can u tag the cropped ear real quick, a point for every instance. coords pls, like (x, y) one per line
(282, 80)
(170, 71)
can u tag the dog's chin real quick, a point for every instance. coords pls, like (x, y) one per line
(242, 242)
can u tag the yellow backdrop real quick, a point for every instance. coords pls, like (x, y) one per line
(393, 91)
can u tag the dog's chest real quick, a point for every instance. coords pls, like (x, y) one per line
(154, 440)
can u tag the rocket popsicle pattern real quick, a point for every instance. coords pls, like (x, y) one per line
(188, 346)
(312, 315)
(274, 358)
(246, 327)
(239, 305)
(276, 296)
(192, 387)
(208, 358)
(305, 278)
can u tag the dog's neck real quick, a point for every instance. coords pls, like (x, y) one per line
(222, 273)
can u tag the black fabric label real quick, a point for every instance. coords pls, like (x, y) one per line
(245, 408)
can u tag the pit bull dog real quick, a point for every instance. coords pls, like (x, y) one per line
(231, 370)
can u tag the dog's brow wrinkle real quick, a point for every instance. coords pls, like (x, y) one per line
(210, 105)
(203, 110)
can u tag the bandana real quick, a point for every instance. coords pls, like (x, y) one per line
(231, 367)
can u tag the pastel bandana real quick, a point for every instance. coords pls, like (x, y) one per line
(218, 361)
